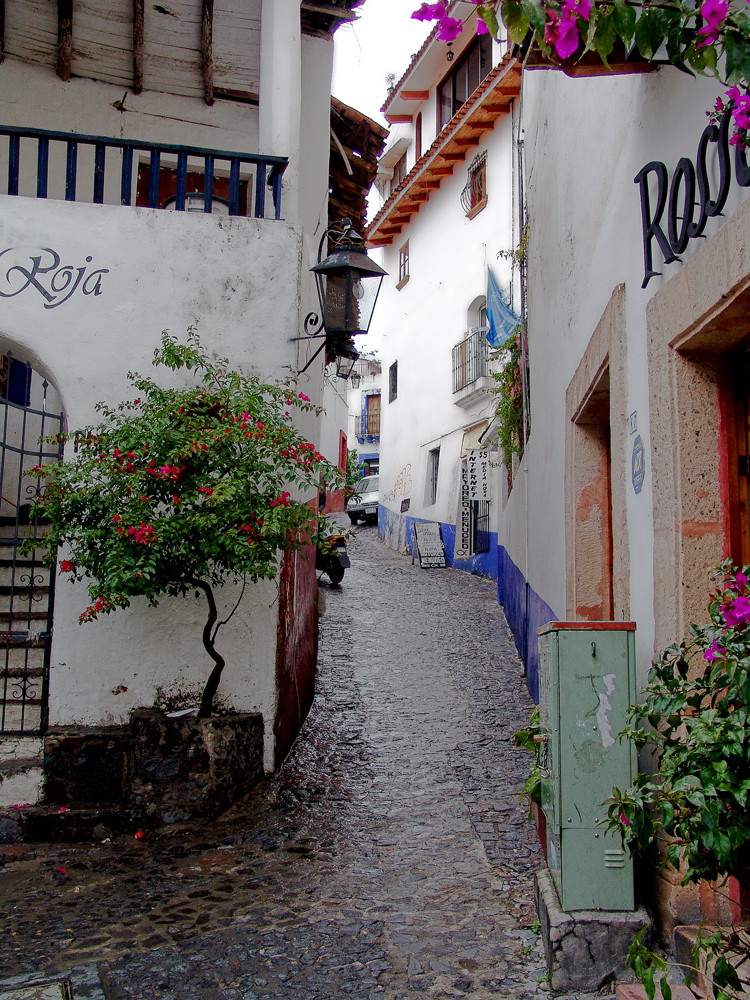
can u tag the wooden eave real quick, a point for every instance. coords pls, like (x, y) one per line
(492, 99)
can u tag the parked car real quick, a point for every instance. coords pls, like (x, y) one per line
(364, 504)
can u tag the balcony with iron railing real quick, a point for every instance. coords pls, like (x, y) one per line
(472, 375)
(368, 426)
(105, 170)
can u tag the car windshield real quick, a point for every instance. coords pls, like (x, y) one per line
(368, 485)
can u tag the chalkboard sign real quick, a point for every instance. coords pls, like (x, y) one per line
(429, 545)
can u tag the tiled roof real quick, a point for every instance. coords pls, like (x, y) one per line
(492, 99)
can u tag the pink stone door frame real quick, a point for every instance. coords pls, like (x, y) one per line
(596, 536)
(693, 320)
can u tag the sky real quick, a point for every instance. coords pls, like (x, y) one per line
(380, 42)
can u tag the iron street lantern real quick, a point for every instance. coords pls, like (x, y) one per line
(348, 283)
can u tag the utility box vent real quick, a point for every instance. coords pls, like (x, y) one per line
(587, 681)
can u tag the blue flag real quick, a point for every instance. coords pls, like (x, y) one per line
(503, 321)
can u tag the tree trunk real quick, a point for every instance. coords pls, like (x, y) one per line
(212, 684)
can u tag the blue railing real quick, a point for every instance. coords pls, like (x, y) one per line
(265, 171)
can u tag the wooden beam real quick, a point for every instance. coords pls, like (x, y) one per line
(207, 51)
(399, 119)
(327, 8)
(414, 95)
(2, 30)
(481, 125)
(64, 38)
(138, 9)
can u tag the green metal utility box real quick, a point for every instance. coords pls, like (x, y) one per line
(586, 682)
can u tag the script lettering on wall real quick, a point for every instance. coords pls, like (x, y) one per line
(42, 272)
(688, 199)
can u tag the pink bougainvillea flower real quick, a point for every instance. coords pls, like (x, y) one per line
(736, 612)
(624, 819)
(66, 566)
(713, 652)
(713, 13)
(562, 33)
(430, 12)
(741, 579)
(281, 501)
(450, 28)
(581, 8)
(482, 28)
(304, 398)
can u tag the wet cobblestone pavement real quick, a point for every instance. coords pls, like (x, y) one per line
(389, 858)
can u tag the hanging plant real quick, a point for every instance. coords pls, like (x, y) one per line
(711, 37)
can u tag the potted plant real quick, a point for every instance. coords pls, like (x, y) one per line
(695, 719)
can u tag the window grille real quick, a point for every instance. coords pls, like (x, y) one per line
(480, 526)
(470, 359)
(393, 382)
(403, 265)
(474, 194)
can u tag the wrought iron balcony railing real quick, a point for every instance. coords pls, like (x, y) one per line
(470, 359)
(241, 177)
(367, 425)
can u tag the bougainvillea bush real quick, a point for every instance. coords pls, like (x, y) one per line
(180, 490)
(697, 36)
(695, 719)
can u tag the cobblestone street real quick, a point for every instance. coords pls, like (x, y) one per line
(389, 858)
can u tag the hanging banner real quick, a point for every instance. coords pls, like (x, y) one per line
(462, 547)
(429, 544)
(478, 471)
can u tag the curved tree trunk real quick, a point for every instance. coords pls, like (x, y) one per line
(212, 684)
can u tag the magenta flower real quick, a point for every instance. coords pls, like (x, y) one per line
(713, 13)
(581, 8)
(430, 12)
(482, 28)
(741, 579)
(304, 398)
(562, 33)
(450, 29)
(624, 820)
(736, 612)
(713, 652)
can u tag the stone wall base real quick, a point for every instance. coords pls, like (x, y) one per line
(162, 769)
(585, 949)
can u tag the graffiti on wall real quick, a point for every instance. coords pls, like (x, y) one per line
(43, 272)
(401, 485)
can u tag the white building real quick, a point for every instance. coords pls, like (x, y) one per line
(222, 110)
(633, 484)
(450, 212)
(365, 405)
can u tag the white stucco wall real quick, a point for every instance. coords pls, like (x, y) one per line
(585, 141)
(419, 325)
(236, 280)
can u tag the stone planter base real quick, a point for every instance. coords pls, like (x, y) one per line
(154, 770)
(587, 948)
(185, 768)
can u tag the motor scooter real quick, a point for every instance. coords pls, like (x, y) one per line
(332, 558)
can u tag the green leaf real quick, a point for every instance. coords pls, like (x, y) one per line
(605, 37)
(536, 15)
(737, 49)
(515, 21)
(650, 32)
(623, 20)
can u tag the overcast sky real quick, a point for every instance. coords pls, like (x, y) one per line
(382, 41)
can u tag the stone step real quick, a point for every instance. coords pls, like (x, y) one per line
(21, 777)
(683, 940)
(67, 825)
